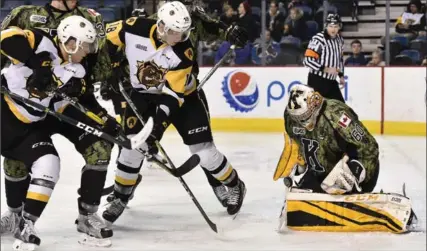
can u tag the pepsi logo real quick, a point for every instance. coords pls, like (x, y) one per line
(240, 90)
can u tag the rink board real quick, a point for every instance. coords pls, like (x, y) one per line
(388, 100)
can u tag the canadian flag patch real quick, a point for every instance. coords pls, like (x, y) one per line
(344, 121)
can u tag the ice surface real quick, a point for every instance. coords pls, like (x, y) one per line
(163, 217)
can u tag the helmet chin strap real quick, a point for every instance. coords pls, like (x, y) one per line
(66, 5)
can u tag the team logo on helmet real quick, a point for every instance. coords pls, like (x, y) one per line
(240, 91)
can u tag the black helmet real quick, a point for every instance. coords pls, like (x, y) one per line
(333, 18)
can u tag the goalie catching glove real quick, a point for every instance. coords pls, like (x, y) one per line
(344, 177)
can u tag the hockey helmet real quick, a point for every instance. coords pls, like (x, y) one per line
(176, 21)
(80, 30)
(304, 105)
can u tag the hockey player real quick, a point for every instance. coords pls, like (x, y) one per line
(329, 156)
(204, 29)
(161, 60)
(40, 64)
(95, 151)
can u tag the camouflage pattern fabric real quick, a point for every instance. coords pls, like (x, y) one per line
(337, 132)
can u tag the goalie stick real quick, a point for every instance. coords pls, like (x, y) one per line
(132, 143)
(183, 183)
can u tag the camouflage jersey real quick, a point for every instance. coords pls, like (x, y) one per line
(337, 132)
(47, 18)
(204, 30)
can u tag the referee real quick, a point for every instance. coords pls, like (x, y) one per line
(324, 58)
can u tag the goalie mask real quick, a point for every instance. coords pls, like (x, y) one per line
(77, 33)
(173, 23)
(304, 105)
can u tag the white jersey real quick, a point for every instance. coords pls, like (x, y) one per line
(17, 74)
(136, 37)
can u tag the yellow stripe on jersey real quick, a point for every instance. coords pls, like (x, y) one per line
(153, 42)
(15, 110)
(31, 38)
(178, 78)
(10, 32)
(113, 33)
(38, 196)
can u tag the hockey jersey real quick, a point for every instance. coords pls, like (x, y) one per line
(17, 73)
(136, 37)
(338, 131)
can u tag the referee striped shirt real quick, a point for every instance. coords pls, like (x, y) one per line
(324, 51)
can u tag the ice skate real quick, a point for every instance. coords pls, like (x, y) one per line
(235, 197)
(113, 211)
(95, 231)
(26, 236)
(222, 194)
(9, 222)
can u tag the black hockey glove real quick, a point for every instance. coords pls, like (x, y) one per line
(111, 126)
(41, 81)
(75, 87)
(237, 35)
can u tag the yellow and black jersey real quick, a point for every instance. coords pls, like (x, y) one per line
(19, 46)
(136, 39)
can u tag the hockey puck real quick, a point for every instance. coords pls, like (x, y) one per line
(287, 181)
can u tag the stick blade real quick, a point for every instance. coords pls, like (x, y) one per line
(139, 139)
(188, 165)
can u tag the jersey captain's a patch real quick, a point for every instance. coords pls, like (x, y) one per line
(344, 121)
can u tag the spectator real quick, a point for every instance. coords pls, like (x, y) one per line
(240, 56)
(246, 20)
(275, 21)
(376, 59)
(411, 23)
(228, 16)
(295, 3)
(424, 63)
(357, 58)
(295, 25)
(273, 49)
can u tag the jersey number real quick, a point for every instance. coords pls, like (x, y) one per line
(310, 155)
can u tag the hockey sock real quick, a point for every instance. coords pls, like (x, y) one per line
(16, 191)
(125, 181)
(211, 179)
(225, 173)
(91, 185)
(38, 196)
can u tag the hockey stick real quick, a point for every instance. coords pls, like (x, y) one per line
(132, 143)
(183, 183)
(216, 66)
(188, 165)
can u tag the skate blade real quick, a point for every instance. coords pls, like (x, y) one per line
(90, 241)
(23, 246)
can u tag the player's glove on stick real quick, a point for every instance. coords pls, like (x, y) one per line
(344, 177)
(41, 81)
(75, 87)
(237, 35)
(111, 126)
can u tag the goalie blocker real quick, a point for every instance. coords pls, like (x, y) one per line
(370, 212)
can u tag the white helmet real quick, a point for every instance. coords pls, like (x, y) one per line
(79, 29)
(304, 105)
(175, 17)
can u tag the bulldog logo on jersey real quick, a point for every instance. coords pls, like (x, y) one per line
(150, 74)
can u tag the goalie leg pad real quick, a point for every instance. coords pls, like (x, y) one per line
(346, 213)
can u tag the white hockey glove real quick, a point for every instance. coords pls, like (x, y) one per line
(345, 176)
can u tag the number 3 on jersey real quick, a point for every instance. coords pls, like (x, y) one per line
(310, 155)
